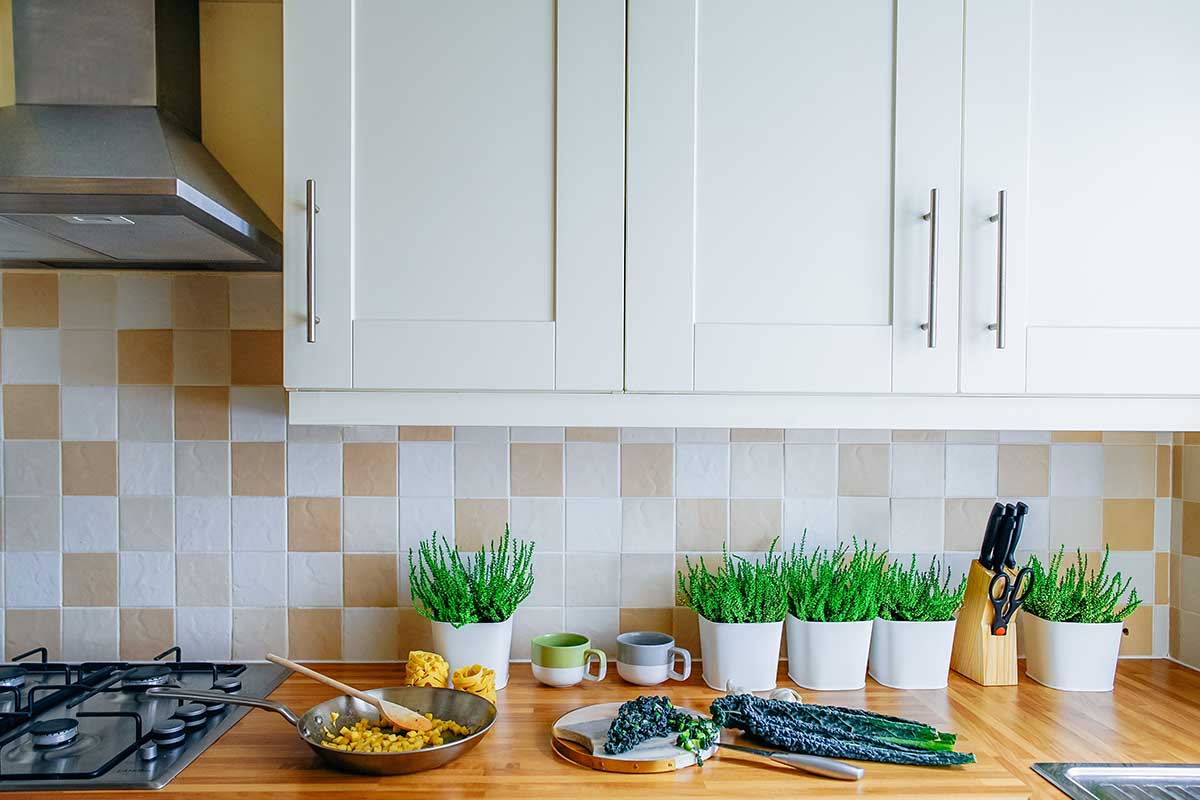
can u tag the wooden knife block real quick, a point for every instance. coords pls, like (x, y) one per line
(986, 659)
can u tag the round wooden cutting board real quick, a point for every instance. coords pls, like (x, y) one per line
(579, 737)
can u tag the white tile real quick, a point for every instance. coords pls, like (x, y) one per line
(90, 634)
(648, 435)
(371, 634)
(93, 357)
(32, 580)
(647, 525)
(702, 470)
(593, 526)
(1077, 470)
(480, 469)
(202, 469)
(89, 413)
(600, 625)
(918, 470)
(259, 523)
(1163, 437)
(204, 633)
(89, 524)
(810, 470)
(426, 469)
(648, 580)
(547, 580)
(32, 469)
(482, 435)
(259, 579)
(202, 524)
(592, 579)
(813, 519)
(866, 518)
(147, 579)
(970, 470)
(1023, 437)
(369, 433)
(810, 435)
(918, 525)
(1162, 631)
(255, 302)
(87, 301)
(971, 437)
(258, 631)
(145, 413)
(756, 470)
(147, 523)
(30, 355)
(1162, 525)
(864, 436)
(146, 468)
(314, 470)
(696, 435)
(538, 520)
(257, 414)
(314, 434)
(592, 469)
(1077, 522)
(31, 523)
(314, 580)
(529, 622)
(533, 434)
(143, 301)
(1138, 566)
(422, 517)
(370, 524)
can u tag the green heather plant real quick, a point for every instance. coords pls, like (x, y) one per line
(910, 594)
(828, 586)
(485, 587)
(1079, 594)
(739, 591)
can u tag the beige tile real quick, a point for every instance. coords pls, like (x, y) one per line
(756, 435)
(87, 301)
(1024, 470)
(1129, 470)
(685, 627)
(202, 579)
(30, 412)
(1139, 633)
(965, 522)
(754, 524)
(1188, 595)
(25, 629)
(255, 302)
(425, 433)
(147, 523)
(477, 522)
(1191, 529)
(30, 300)
(863, 470)
(257, 358)
(1076, 522)
(1162, 578)
(314, 524)
(1191, 437)
(1129, 437)
(315, 634)
(1190, 473)
(647, 470)
(918, 436)
(537, 470)
(1173, 635)
(369, 580)
(89, 468)
(259, 469)
(1129, 524)
(1076, 437)
(202, 358)
(648, 619)
(414, 632)
(371, 634)
(1177, 455)
(1189, 638)
(202, 412)
(258, 631)
(591, 434)
(700, 525)
(200, 301)
(1162, 471)
(88, 358)
(145, 356)
(369, 469)
(89, 579)
(146, 632)
(1174, 579)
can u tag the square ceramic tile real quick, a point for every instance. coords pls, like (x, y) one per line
(918, 436)
(477, 522)
(315, 634)
(202, 579)
(481, 434)
(89, 634)
(257, 414)
(371, 634)
(202, 469)
(259, 523)
(30, 356)
(25, 629)
(89, 412)
(1035, 530)
(258, 631)
(970, 470)
(701, 525)
(600, 625)
(697, 435)
(647, 581)
(87, 301)
(856, 436)
(314, 524)
(918, 525)
(648, 435)
(259, 579)
(810, 470)
(314, 470)
(592, 469)
(864, 470)
(811, 519)
(529, 622)
(314, 579)
(810, 436)
(89, 468)
(1023, 437)
(145, 632)
(31, 523)
(143, 301)
(754, 524)
(88, 358)
(918, 470)
(1076, 522)
(1129, 470)
(370, 524)
(89, 524)
(547, 580)
(647, 525)
(867, 519)
(1137, 566)
(205, 632)
(426, 469)
(1162, 525)
(369, 433)
(422, 517)
(200, 301)
(202, 524)
(539, 521)
(313, 434)
(146, 468)
(593, 525)
(1024, 470)
(481, 469)
(147, 579)
(536, 469)
(31, 469)
(255, 302)
(593, 579)
(701, 470)
(535, 434)
(756, 434)
(592, 434)
(30, 412)
(147, 523)
(369, 469)
(756, 470)
(145, 413)
(966, 519)
(147, 357)
(258, 469)
(971, 437)
(647, 470)
(1076, 470)
(201, 358)
(202, 412)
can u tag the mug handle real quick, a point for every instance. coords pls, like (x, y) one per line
(601, 659)
(686, 672)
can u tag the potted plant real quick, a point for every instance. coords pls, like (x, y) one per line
(741, 612)
(470, 601)
(833, 598)
(912, 637)
(1072, 625)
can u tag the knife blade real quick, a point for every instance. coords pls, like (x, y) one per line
(1004, 532)
(817, 765)
(1010, 560)
(989, 536)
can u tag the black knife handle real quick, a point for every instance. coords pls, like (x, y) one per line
(1010, 560)
(1004, 532)
(989, 536)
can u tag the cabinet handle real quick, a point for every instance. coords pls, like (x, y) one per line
(311, 209)
(932, 218)
(1000, 326)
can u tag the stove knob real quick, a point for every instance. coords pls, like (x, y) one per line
(148, 751)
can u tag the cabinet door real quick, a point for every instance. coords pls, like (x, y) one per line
(485, 163)
(780, 158)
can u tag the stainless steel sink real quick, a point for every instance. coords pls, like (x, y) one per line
(1124, 781)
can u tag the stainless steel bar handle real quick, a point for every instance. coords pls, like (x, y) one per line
(1000, 326)
(310, 246)
(930, 327)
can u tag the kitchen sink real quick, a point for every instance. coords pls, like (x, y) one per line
(1124, 781)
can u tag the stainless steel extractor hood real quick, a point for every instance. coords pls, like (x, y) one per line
(100, 158)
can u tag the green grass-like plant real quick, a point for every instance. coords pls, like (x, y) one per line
(1079, 594)
(739, 591)
(834, 585)
(484, 587)
(910, 594)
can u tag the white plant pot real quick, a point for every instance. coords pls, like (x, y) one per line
(485, 643)
(745, 654)
(828, 656)
(911, 655)
(1071, 656)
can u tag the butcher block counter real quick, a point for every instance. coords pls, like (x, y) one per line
(1151, 716)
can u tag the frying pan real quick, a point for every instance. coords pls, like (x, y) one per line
(467, 709)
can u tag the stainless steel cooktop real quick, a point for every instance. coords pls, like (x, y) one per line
(1124, 781)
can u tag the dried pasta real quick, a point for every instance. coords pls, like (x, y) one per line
(476, 680)
(363, 737)
(426, 669)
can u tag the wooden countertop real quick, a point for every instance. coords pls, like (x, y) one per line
(1150, 716)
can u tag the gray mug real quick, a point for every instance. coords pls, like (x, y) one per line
(646, 658)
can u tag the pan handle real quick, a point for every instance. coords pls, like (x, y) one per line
(220, 697)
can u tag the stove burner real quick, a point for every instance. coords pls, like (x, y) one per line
(192, 715)
(227, 685)
(168, 733)
(54, 732)
(150, 675)
(12, 676)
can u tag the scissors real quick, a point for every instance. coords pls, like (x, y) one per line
(1007, 603)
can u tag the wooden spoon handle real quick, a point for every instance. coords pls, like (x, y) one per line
(325, 679)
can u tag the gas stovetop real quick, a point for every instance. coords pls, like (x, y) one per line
(92, 725)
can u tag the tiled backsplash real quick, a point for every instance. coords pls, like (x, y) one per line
(154, 493)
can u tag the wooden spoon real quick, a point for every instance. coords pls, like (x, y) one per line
(394, 713)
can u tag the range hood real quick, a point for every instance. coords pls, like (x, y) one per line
(100, 158)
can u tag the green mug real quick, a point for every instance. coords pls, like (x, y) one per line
(561, 659)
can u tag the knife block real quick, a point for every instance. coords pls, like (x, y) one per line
(986, 659)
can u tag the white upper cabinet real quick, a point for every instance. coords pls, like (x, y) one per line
(781, 157)
(468, 161)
